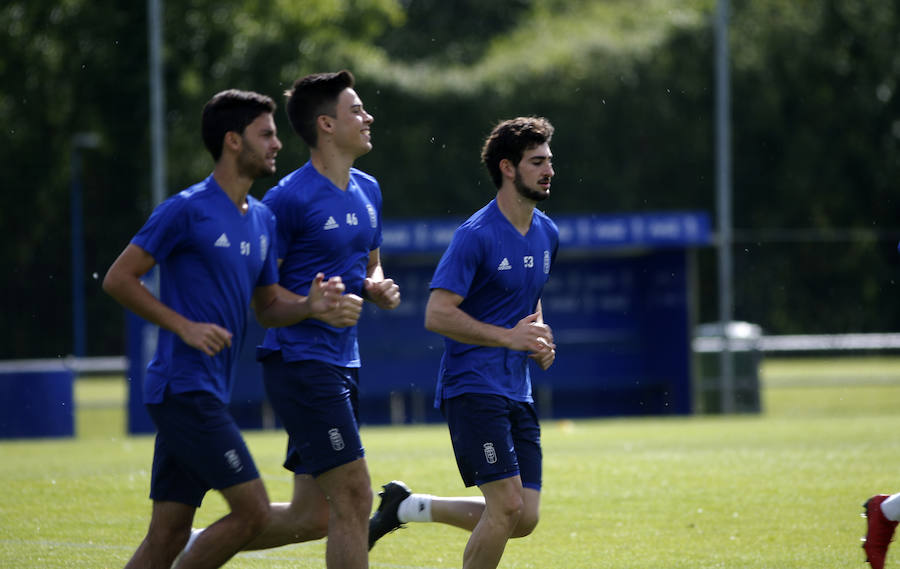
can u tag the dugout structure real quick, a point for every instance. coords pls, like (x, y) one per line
(620, 299)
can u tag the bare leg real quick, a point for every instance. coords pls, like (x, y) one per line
(219, 542)
(170, 526)
(304, 518)
(464, 512)
(530, 513)
(504, 503)
(461, 512)
(349, 493)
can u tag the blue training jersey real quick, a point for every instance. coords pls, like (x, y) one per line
(500, 274)
(322, 228)
(211, 258)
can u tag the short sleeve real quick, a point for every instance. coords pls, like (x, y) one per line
(456, 269)
(165, 228)
(269, 273)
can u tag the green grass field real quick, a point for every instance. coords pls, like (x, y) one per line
(778, 490)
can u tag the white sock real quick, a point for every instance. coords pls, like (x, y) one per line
(891, 507)
(195, 533)
(415, 508)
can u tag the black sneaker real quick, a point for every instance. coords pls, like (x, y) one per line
(385, 520)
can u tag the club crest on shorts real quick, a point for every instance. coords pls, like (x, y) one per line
(337, 441)
(490, 454)
(234, 460)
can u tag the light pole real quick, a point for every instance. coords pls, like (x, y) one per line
(157, 101)
(723, 194)
(82, 140)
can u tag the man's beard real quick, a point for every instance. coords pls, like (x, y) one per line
(532, 194)
(250, 165)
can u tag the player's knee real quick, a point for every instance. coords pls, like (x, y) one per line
(167, 542)
(315, 531)
(256, 519)
(349, 491)
(527, 522)
(509, 508)
(309, 523)
(252, 511)
(358, 497)
(351, 502)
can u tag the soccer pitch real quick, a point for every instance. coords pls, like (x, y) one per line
(778, 490)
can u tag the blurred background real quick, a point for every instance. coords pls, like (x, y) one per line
(629, 84)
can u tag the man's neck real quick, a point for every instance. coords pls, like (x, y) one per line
(235, 186)
(333, 165)
(515, 208)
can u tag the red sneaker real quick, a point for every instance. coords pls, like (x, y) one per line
(879, 533)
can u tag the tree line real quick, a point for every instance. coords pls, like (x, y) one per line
(629, 86)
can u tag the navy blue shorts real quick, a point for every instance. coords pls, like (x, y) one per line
(198, 447)
(494, 438)
(318, 405)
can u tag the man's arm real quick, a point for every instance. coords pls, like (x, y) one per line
(276, 306)
(443, 315)
(123, 283)
(383, 292)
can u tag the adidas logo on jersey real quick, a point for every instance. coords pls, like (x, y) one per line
(330, 224)
(222, 241)
(504, 265)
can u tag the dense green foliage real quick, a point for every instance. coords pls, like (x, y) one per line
(629, 85)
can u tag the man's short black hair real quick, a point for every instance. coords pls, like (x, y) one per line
(313, 96)
(231, 111)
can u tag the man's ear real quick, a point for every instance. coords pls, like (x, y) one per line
(507, 168)
(325, 122)
(233, 140)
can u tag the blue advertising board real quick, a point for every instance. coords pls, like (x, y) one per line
(36, 399)
(594, 232)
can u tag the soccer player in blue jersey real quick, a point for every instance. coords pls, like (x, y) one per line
(329, 219)
(486, 301)
(214, 244)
